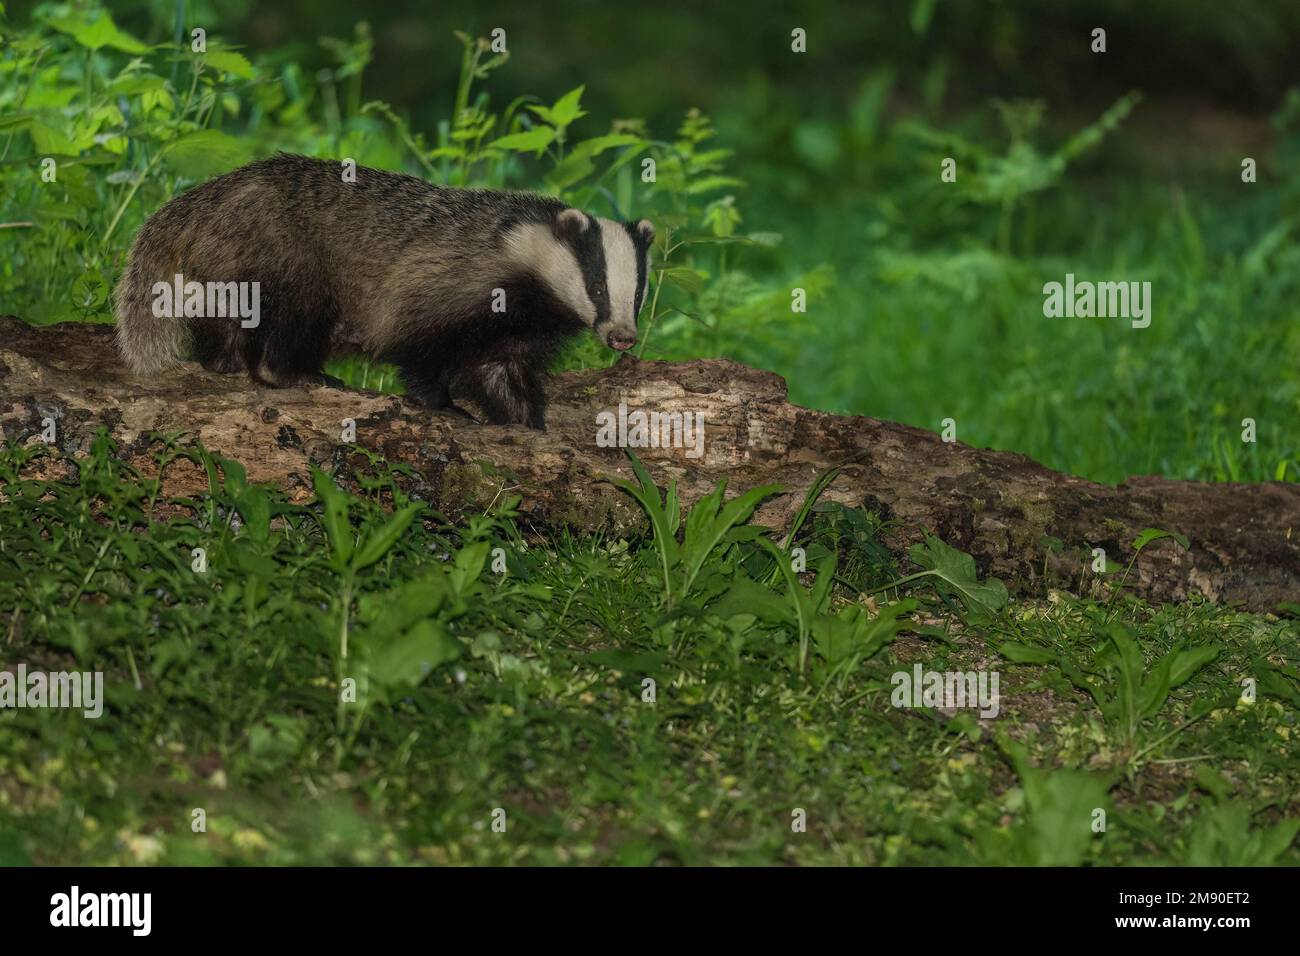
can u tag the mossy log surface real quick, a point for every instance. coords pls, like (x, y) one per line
(1003, 508)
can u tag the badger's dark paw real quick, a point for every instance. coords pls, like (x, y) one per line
(321, 380)
(453, 409)
(223, 364)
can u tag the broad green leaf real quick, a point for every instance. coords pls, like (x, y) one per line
(565, 110)
(207, 153)
(1223, 837)
(408, 659)
(598, 144)
(14, 121)
(1173, 670)
(1155, 688)
(685, 278)
(234, 474)
(50, 139)
(852, 633)
(835, 637)
(824, 578)
(747, 596)
(1024, 654)
(1147, 535)
(956, 572)
(534, 140)
(381, 541)
(1187, 663)
(136, 81)
(1131, 666)
(573, 169)
(97, 30)
(707, 524)
(710, 183)
(1055, 828)
(255, 507)
(393, 611)
(229, 61)
(468, 565)
(334, 517)
(253, 564)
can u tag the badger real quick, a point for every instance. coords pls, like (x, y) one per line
(470, 291)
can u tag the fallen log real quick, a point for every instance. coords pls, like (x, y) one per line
(1001, 507)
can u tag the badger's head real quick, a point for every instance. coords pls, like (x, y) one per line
(601, 271)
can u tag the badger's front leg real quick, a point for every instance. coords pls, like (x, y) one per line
(431, 387)
(508, 388)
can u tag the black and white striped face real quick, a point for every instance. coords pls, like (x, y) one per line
(613, 273)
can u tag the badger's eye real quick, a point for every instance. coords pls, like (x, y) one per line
(598, 292)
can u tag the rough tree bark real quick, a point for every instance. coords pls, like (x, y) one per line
(999, 506)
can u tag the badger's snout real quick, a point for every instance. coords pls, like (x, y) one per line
(621, 340)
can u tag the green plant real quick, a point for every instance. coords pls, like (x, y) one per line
(844, 638)
(1007, 181)
(1136, 693)
(1223, 836)
(711, 524)
(1145, 537)
(952, 573)
(1060, 814)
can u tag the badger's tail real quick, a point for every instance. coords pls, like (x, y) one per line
(148, 342)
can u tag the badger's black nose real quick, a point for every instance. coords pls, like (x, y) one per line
(621, 341)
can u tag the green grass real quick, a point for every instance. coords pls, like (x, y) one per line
(525, 691)
(931, 315)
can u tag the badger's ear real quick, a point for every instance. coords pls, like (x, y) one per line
(570, 223)
(646, 230)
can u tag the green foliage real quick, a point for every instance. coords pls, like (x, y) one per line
(710, 525)
(953, 573)
(1059, 809)
(1135, 693)
(529, 684)
(1125, 690)
(1224, 836)
(845, 637)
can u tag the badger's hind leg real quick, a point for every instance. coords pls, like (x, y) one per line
(289, 345)
(215, 345)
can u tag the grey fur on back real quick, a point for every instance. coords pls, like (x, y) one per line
(383, 240)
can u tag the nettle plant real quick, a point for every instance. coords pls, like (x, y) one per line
(99, 129)
(1009, 181)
